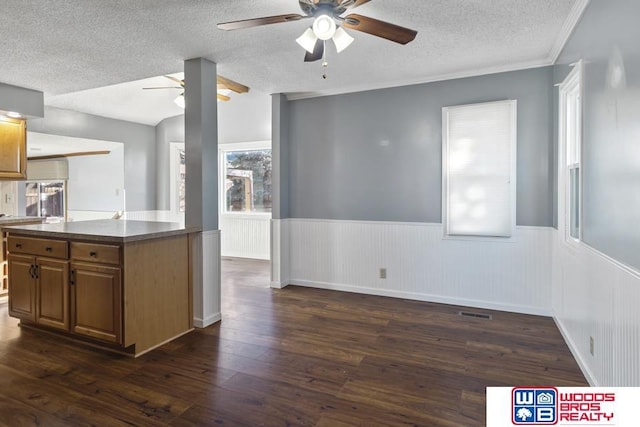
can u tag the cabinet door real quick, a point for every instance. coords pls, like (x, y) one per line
(53, 293)
(13, 148)
(22, 287)
(96, 302)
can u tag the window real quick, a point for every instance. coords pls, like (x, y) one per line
(45, 199)
(479, 169)
(177, 170)
(246, 180)
(570, 155)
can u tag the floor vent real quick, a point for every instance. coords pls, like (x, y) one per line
(478, 315)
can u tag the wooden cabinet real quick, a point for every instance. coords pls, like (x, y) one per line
(39, 287)
(4, 268)
(13, 148)
(128, 297)
(96, 301)
(96, 291)
(52, 296)
(22, 287)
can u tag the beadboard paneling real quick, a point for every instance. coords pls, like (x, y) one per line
(347, 255)
(279, 253)
(205, 254)
(245, 236)
(595, 296)
(160, 216)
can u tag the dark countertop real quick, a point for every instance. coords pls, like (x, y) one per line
(8, 220)
(103, 230)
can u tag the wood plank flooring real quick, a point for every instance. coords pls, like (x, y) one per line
(291, 357)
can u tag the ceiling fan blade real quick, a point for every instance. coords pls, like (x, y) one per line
(231, 85)
(318, 52)
(352, 4)
(163, 87)
(222, 97)
(388, 31)
(249, 23)
(177, 80)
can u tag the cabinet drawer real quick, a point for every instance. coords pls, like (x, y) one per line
(94, 252)
(39, 247)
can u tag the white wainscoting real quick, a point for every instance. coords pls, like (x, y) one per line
(160, 216)
(246, 236)
(595, 296)
(347, 255)
(279, 253)
(205, 256)
(89, 215)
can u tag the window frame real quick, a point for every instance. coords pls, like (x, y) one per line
(223, 149)
(174, 177)
(512, 181)
(572, 85)
(64, 198)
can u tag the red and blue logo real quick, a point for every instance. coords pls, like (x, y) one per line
(534, 405)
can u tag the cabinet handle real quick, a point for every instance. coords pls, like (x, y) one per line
(18, 245)
(36, 271)
(72, 277)
(93, 253)
(32, 271)
(48, 249)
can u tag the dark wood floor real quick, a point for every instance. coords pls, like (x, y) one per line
(295, 356)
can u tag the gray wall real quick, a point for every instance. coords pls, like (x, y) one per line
(377, 155)
(280, 154)
(139, 148)
(607, 39)
(27, 102)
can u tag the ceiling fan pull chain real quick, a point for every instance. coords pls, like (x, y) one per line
(325, 64)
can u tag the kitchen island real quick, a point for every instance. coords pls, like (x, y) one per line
(117, 284)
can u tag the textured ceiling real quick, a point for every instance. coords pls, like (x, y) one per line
(63, 46)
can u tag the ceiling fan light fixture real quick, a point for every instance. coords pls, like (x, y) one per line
(180, 101)
(307, 40)
(342, 39)
(324, 27)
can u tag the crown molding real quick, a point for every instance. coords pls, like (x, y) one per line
(569, 25)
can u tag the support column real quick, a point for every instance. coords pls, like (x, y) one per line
(280, 191)
(201, 160)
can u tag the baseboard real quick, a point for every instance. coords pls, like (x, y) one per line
(576, 354)
(245, 255)
(537, 311)
(208, 321)
(279, 285)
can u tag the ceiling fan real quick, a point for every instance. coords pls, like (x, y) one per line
(224, 87)
(329, 24)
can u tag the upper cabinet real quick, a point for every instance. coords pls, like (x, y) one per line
(13, 148)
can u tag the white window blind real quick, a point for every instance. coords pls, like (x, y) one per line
(479, 158)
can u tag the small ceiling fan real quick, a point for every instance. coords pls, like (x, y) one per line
(329, 24)
(224, 87)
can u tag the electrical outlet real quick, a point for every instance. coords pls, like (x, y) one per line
(383, 273)
(591, 345)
